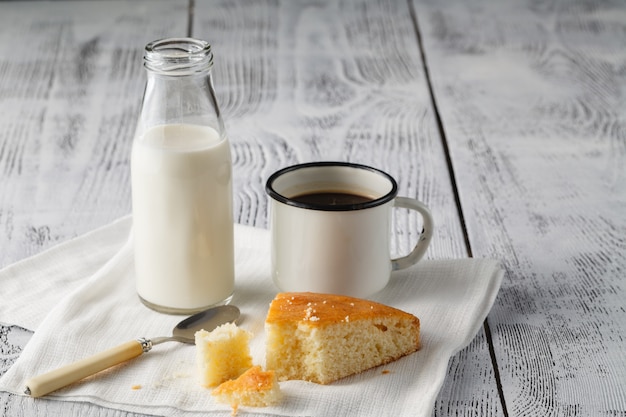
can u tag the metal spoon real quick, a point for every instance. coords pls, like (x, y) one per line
(183, 332)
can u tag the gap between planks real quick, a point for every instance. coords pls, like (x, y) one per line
(190, 13)
(457, 198)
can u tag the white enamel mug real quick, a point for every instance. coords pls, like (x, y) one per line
(324, 241)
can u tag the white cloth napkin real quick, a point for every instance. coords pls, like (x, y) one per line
(80, 299)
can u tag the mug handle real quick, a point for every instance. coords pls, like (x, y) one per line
(424, 239)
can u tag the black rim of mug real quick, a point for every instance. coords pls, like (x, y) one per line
(269, 187)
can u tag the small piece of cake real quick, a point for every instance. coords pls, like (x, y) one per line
(254, 388)
(222, 354)
(322, 337)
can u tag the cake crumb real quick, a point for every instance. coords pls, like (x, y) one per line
(254, 388)
(385, 371)
(222, 354)
(136, 387)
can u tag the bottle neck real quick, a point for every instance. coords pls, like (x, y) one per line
(178, 57)
(179, 87)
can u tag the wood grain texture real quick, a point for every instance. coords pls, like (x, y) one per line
(70, 86)
(310, 80)
(532, 99)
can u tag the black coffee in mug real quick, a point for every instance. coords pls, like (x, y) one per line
(331, 198)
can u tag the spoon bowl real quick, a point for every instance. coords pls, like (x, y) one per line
(205, 320)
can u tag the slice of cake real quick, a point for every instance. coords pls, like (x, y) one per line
(254, 388)
(322, 337)
(222, 354)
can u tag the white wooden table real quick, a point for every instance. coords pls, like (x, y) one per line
(506, 117)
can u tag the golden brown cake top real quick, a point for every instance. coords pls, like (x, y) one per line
(322, 309)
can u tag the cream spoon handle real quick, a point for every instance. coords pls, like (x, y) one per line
(58, 378)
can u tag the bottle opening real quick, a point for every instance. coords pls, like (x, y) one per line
(178, 56)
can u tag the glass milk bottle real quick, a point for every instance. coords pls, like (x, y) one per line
(181, 183)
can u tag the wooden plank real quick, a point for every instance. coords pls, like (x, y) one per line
(325, 80)
(531, 96)
(71, 81)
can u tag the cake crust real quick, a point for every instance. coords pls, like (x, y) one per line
(324, 309)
